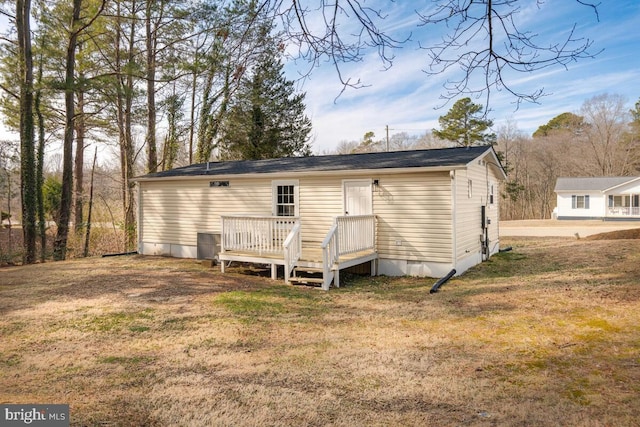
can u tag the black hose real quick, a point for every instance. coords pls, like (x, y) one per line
(507, 249)
(120, 254)
(441, 282)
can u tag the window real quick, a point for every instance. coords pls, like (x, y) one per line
(580, 202)
(285, 197)
(491, 194)
(286, 204)
(470, 188)
(619, 201)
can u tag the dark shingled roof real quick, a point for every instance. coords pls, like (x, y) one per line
(386, 160)
(600, 183)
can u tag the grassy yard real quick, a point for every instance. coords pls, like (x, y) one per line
(547, 334)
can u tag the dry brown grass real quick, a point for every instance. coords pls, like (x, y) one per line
(547, 334)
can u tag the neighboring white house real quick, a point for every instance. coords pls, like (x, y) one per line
(421, 212)
(606, 198)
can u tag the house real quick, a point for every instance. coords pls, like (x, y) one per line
(605, 198)
(420, 213)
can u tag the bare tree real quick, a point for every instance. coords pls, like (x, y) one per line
(125, 64)
(483, 38)
(346, 147)
(329, 41)
(486, 40)
(606, 134)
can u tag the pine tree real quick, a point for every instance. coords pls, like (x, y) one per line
(266, 118)
(567, 122)
(465, 125)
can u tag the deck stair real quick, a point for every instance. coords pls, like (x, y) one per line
(307, 276)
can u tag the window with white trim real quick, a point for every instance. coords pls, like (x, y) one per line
(285, 198)
(580, 202)
(619, 201)
(491, 194)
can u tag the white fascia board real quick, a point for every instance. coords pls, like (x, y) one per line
(622, 185)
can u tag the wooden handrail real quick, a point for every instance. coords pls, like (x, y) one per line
(356, 233)
(292, 248)
(330, 255)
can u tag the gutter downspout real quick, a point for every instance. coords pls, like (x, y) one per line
(454, 235)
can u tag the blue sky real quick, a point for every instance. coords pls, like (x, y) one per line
(407, 99)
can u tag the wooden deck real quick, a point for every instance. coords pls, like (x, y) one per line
(311, 257)
(277, 241)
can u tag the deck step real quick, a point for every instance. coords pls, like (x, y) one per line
(310, 270)
(306, 280)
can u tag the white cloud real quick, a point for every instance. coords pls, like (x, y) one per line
(404, 97)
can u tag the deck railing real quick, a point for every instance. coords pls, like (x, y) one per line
(348, 235)
(292, 250)
(624, 211)
(356, 233)
(258, 234)
(280, 237)
(330, 256)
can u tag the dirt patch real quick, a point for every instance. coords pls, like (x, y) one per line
(617, 235)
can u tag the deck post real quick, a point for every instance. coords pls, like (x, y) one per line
(336, 278)
(274, 271)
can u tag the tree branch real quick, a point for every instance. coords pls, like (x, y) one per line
(492, 20)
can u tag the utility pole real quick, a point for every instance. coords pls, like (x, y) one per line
(387, 129)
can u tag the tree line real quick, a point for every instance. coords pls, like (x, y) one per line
(163, 83)
(196, 79)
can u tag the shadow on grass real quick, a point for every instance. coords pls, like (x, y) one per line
(601, 268)
(148, 279)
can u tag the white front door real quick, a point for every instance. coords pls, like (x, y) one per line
(357, 198)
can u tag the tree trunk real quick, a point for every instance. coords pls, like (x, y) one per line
(120, 103)
(10, 237)
(151, 43)
(192, 121)
(125, 121)
(27, 145)
(85, 252)
(42, 225)
(79, 161)
(60, 243)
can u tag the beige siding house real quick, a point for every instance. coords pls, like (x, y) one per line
(422, 212)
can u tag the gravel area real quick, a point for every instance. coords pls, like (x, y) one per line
(558, 228)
